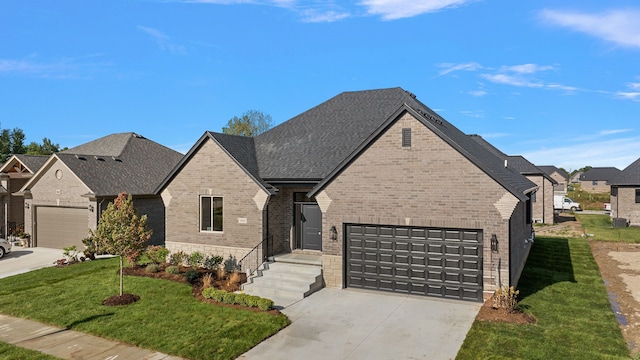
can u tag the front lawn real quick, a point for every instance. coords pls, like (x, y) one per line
(600, 227)
(562, 288)
(11, 352)
(167, 318)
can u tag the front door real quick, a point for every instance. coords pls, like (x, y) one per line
(311, 227)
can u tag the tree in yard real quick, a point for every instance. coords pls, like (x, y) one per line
(251, 123)
(121, 231)
(46, 148)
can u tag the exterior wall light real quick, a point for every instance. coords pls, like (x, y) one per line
(26, 205)
(494, 243)
(90, 207)
(333, 233)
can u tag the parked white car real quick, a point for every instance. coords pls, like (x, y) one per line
(5, 247)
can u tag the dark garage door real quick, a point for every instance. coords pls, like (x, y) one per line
(58, 227)
(420, 261)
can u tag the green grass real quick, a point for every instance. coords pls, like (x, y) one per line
(601, 229)
(562, 288)
(166, 318)
(11, 352)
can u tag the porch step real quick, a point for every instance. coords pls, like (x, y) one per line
(286, 280)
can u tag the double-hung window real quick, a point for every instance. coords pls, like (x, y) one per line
(210, 213)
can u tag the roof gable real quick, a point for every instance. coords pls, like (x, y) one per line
(21, 163)
(550, 169)
(630, 176)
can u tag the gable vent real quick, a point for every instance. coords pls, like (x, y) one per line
(406, 137)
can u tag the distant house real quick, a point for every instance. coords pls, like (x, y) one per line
(67, 195)
(595, 179)
(559, 175)
(384, 192)
(625, 194)
(542, 198)
(14, 173)
(575, 178)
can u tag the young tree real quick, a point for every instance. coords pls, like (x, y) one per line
(252, 123)
(121, 231)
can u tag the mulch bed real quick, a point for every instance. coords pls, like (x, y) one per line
(223, 283)
(489, 314)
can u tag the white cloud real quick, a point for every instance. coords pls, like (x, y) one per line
(323, 16)
(616, 152)
(562, 87)
(478, 93)
(398, 9)
(526, 68)
(164, 42)
(65, 68)
(449, 67)
(629, 95)
(619, 26)
(513, 80)
(633, 86)
(478, 114)
(613, 131)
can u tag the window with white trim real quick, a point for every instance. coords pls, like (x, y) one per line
(210, 213)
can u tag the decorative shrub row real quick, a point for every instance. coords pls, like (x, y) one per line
(237, 299)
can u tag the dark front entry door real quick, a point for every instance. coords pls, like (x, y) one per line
(311, 226)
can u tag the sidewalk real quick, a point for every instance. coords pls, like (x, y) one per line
(69, 344)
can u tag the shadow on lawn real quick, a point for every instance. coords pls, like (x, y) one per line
(549, 263)
(87, 319)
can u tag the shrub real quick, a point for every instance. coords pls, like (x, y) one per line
(229, 298)
(207, 280)
(152, 268)
(173, 269)
(192, 275)
(178, 258)
(157, 254)
(212, 262)
(242, 299)
(196, 258)
(506, 298)
(265, 304)
(234, 278)
(71, 254)
(252, 300)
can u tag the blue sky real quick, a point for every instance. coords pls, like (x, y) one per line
(556, 82)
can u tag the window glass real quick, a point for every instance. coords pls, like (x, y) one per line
(210, 213)
(637, 196)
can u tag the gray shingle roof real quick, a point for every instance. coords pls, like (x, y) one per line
(599, 174)
(32, 162)
(549, 169)
(630, 176)
(121, 162)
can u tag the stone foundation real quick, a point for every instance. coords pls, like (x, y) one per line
(231, 255)
(332, 270)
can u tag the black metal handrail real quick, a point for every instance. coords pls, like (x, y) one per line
(258, 255)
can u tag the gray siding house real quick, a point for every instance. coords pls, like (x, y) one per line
(388, 194)
(66, 196)
(596, 180)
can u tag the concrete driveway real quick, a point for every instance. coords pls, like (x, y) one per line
(353, 324)
(22, 260)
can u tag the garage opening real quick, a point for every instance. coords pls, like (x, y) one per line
(439, 262)
(59, 227)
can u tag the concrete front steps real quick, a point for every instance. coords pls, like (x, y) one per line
(286, 278)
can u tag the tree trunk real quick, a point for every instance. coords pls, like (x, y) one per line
(121, 275)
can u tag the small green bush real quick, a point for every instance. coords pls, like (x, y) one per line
(241, 299)
(157, 254)
(229, 298)
(192, 275)
(152, 268)
(252, 300)
(265, 304)
(173, 269)
(196, 258)
(212, 262)
(178, 258)
(506, 298)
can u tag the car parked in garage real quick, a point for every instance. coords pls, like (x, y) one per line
(5, 247)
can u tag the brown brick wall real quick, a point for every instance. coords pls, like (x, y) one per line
(624, 205)
(600, 188)
(212, 172)
(281, 218)
(542, 208)
(428, 184)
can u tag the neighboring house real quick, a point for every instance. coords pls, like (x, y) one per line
(67, 195)
(559, 175)
(625, 194)
(387, 193)
(13, 175)
(595, 179)
(575, 178)
(541, 199)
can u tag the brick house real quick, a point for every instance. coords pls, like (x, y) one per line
(542, 198)
(595, 180)
(67, 195)
(387, 193)
(559, 176)
(14, 173)
(625, 194)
